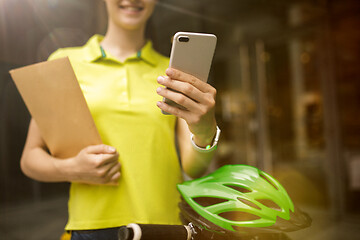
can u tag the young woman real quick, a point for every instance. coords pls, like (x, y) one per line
(132, 177)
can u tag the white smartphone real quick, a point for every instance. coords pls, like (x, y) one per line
(192, 53)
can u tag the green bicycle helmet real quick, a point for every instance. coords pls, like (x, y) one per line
(235, 197)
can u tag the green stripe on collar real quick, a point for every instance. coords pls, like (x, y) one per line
(103, 54)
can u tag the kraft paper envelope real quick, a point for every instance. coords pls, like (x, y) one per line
(53, 96)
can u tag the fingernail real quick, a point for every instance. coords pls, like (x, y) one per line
(158, 89)
(116, 177)
(111, 149)
(160, 79)
(169, 71)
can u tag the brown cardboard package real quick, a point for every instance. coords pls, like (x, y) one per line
(54, 99)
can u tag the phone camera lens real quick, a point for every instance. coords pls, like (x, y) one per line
(183, 39)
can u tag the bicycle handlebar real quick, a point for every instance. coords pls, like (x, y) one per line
(135, 231)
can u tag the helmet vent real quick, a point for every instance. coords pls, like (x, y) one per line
(268, 180)
(269, 203)
(238, 216)
(208, 201)
(247, 202)
(238, 188)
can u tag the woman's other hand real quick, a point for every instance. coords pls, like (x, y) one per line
(96, 164)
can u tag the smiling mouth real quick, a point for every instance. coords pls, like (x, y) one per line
(131, 8)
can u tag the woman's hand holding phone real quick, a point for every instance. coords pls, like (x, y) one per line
(187, 94)
(197, 101)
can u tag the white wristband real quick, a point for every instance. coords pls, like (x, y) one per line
(208, 148)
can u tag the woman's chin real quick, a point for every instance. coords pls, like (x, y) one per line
(131, 23)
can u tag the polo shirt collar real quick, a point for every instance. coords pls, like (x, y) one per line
(94, 52)
(147, 53)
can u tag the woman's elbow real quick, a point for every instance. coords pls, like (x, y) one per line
(23, 166)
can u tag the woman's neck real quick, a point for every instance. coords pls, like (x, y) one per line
(123, 43)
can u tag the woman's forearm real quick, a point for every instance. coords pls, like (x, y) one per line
(37, 164)
(195, 163)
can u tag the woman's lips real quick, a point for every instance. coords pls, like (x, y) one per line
(131, 8)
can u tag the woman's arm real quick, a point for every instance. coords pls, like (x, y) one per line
(194, 163)
(198, 98)
(93, 165)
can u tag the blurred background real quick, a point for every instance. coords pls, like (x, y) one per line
(288, 79)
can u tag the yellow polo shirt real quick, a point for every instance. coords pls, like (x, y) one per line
(122, 100)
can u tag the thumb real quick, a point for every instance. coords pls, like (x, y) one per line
(101, 149)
